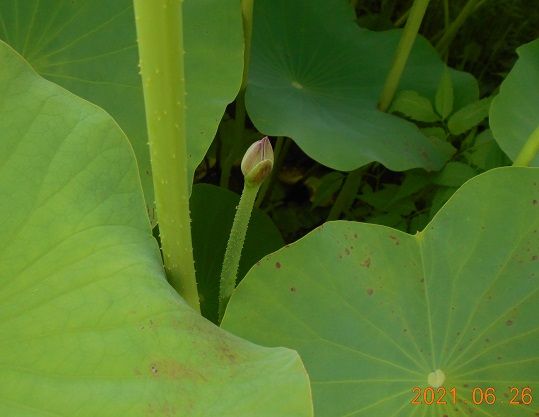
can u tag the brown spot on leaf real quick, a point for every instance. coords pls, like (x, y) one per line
(172, 369)
(395, 239)
(370, 291)
(228, 353)
(366, 263)
(509, 323)
(277, 265)
(535, 257)
(347, 251)
(293, 289)
(534, 202)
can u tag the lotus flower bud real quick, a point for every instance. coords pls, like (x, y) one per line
(257, 162)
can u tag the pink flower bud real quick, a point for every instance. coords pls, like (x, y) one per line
(257, 162)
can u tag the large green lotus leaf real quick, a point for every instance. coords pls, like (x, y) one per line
(316, 77)
(89, 47)
(514, 113)
(212, 213)
(88, 323)
(373, 311)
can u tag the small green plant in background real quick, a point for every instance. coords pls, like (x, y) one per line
(435, 285)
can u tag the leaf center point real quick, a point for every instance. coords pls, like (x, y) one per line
(436, 379)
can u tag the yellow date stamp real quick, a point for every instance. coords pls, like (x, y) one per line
(475, 395)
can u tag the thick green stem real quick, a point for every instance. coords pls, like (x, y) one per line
(347, 195)
(160, 43)
(529, 150)
(247, 12)
(449, 34)
(234, 246)
(240, 116)
(403, 52)
(237, 143)
(446, 14)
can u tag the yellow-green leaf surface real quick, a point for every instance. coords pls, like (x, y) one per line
(89, 47)
(514, 113)
(88, 323)
(316, 77)
(374, 311)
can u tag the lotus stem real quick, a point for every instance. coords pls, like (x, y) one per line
(160, 43)
(529, 150)
(404, 48)
(347, 194)
(449, 34)
(247, 13)
(256, 167)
